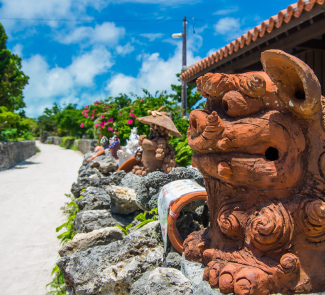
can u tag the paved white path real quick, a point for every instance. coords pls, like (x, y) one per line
(31, 195)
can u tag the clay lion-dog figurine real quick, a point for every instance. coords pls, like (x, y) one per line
(259, 144)
(156, 152)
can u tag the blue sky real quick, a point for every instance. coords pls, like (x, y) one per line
(79, 51)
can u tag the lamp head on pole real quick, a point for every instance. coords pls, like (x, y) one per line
(177, 35)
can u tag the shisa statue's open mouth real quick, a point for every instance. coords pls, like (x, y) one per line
(262, 151)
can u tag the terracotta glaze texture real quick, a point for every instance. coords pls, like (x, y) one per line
(259, 144)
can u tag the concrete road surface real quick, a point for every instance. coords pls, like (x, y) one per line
(31, 195)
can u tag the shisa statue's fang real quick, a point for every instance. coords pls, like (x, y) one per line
(156, 152)
(259, 144)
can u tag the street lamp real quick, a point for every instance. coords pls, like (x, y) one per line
(184, 91)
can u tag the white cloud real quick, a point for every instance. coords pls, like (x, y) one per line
(154, 74)
(152, 36)
(18, 49)
(48, 85)
(49, 9)
(86, 67)
(107, 33)
(163, 2)
(124, 50)
(226, 11)
(229, 27)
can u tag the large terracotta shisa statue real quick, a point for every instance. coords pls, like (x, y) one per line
(259, 144)
(156, 152)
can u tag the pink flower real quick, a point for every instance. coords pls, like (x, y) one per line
(130, 122)
(86, 107)
(132, 115)
(117, 133)
(103, 107)
(110, 120)
(141, 100)
(101, 135)
(120, 113)
(108, 106)
(93, 111)
(86, 115)
(102, 116)
(97, 125)
(110, 128)
(82, 125)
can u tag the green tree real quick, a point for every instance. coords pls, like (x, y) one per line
(192, 97)
(70, 119)
(12, 79)
(47, 122)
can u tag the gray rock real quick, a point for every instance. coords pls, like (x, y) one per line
(194, 272)
(122, 199)
(94, 198)
(85, 172)
(162, 281)
(57, 140)
(187, 173)
(149, 186)
(87, 221)
(116, 177)
(131, 180)
(83, 183)
(49, 140)
(151, 230)
(111, 269)
(173, 260)
(82, 242)
(104, 164)
(43, 136)
(87, 145)
(148, 189)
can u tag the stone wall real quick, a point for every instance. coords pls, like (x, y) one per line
(11, 153)
(87, 145)
(83, 145)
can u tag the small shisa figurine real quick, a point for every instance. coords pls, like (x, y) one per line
(260, 145)
(107, 146)
(156, 152)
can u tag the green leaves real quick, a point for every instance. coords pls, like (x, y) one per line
(70, 210)
(12, 79)
(153, 213)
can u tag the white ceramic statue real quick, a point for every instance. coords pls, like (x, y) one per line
(128, 151)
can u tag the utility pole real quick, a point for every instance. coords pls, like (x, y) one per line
(184, 88)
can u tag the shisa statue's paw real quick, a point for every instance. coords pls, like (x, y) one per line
(195, 244)
(236, 278)
(137, 170)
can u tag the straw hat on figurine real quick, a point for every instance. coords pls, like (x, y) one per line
(160, 119)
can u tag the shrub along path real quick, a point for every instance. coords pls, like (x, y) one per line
(31, 195)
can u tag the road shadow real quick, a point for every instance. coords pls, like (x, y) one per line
(23, 165)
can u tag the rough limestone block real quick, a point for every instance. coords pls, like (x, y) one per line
(87, 221)
(123, 199)
(111, 269)
(82, 242)
(162, 281)
(94, 198)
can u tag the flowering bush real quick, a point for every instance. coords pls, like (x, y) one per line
(120, 114)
